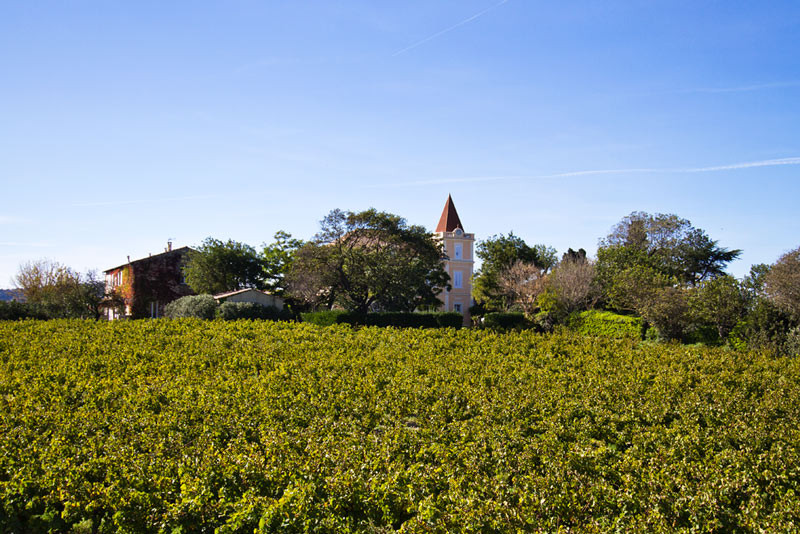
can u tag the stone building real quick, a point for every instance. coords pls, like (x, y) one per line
(143, 287)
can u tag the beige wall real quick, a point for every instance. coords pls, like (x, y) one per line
(458, 295)
(257, 297)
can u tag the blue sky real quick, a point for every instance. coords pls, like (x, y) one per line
(124, 124)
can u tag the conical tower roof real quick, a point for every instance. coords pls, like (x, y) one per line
(449, 220)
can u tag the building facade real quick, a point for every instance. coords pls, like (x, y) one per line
(459, 248)
(251, 295)
(141, 288)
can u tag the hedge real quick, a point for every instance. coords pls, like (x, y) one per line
(14, 310)
(384, 319)
(605, 324)
(231, 311)
(505, 320)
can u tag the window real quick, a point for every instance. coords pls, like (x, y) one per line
(457, 279)
(457, 307)
(459, 250)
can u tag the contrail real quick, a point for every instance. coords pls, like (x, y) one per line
(141, 201)
(451, 28)
(746, 165)
(743, 88)
(685, 170)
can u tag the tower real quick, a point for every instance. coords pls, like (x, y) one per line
(458, 246)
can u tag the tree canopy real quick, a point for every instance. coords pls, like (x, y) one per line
(649, 263)
(368, 260)
(498, 254)
(218, 267)
(666, 243)
(277, 259)
(782, 283)
(57, 291)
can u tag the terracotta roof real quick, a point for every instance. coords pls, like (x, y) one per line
(449, 220)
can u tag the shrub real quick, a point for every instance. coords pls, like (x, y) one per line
(505, 321)
(449, 319)
(545, 321)
(329, 317)
(231, 311)
(765, 327)
(605, 324)
(14, 310)
(199, 306)
(702, 333)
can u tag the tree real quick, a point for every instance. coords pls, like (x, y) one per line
(630, 288)
(369, 260)
(499, 253)
(668, 311)
(58, 291)
(92, 294)
(572, 283)
(277, 261)
(782, 283)
(753, 284)
(720, 302)
(521, 283)
(668, 244)
(218, 267)
(547, 257)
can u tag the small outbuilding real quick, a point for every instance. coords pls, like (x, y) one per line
(250, 295)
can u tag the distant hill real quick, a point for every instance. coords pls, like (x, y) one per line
(11, 294)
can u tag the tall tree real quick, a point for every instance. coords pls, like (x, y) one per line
(498, 253)
(666, 243)
(277, 259)
(367, 260)
(218, 267)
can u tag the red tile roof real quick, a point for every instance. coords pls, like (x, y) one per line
(449, 220)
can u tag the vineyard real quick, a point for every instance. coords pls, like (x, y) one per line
(211, 426)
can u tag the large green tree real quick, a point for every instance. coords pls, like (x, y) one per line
(648, 264)
(277, 259)
(368, 260)
(720, 302)
(498, 254)
(220, 266)
(665, 243)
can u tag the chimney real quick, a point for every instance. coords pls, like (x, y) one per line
(129, 258)
(169, 246)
